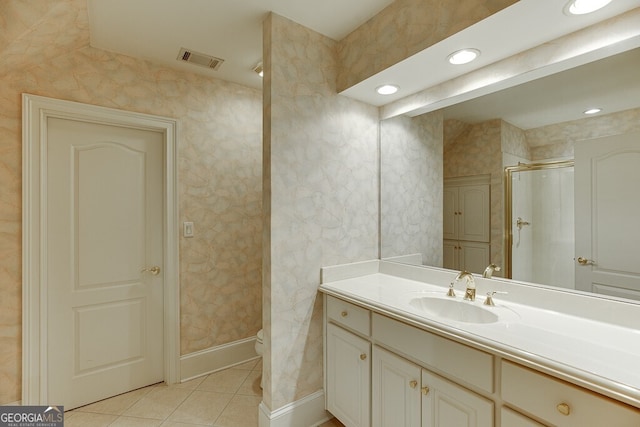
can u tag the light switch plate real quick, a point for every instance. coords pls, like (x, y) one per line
(187, 229)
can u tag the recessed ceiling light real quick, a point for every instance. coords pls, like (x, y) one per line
(387, 89)
(593, 110)
(581, 7)
(463, 56)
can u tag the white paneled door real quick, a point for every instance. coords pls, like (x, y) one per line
(104, 237)
(607, 174)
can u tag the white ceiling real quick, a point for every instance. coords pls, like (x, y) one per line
(232, 30)
(521, 26)
(229, 29)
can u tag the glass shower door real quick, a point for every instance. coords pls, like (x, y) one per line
(542, 223)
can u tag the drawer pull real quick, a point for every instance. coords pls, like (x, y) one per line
(363, 356)
(344, 313)
(564, 409)
(425, 390)
(413, 384)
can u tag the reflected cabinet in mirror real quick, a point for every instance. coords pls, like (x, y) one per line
(562, 187)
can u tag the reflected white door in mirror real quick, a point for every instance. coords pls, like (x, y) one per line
(607, 233)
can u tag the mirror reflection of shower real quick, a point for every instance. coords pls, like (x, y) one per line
(540, 223)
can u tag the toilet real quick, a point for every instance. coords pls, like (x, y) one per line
(260, 347)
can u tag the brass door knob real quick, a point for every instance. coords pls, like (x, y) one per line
(425, 390)
(585, 261)
(344, 313)
(363, 356)
(413, 384)
(155, 270)
(564, 409)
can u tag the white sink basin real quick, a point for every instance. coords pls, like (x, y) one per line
(454, 309)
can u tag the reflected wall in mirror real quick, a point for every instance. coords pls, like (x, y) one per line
(539, 121)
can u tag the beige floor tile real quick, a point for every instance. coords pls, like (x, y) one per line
(191, 384)
(201, 407)
(135, 422)
(116, 405)
(247, 366)
(242, 411)
(159, 403)
(332, 423)
(251, 385)
(84, 419)
(227, 381)
(170, 423)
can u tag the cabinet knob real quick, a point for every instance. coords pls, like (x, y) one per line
(363, 356)
(413, 384)
(425, 390)
(564, 409)
(344, 313)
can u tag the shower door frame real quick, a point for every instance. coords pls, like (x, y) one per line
(508, 209)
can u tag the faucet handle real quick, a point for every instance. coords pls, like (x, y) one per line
(451, 292)
(489, 300)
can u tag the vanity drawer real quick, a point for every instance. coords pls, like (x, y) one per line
(454, 360)
(512, 418)
(560, 403)
(349, 315)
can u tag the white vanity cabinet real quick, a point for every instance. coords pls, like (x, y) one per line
(445, 403)
(396, 399)
(347, 363)
(405, 395)
(386, 371)
(559, 403)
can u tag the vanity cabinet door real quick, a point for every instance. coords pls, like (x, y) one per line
(445, 404)
(396, 391)
(348, 377)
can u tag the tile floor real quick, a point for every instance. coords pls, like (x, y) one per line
(228, 398)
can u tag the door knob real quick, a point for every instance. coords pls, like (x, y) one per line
(155, 270)
(564, 409)
(585, 261)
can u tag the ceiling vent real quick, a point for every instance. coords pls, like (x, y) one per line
(201, 59)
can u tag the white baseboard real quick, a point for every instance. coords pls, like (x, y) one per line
(306, 412)
(213, 359)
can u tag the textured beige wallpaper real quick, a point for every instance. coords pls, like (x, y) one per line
(404, 28)
(45, 52)
(322, 199)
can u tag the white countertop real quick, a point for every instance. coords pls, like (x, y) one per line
(601, 356)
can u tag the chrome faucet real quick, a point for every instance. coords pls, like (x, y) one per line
(470, 292)
(488, 272)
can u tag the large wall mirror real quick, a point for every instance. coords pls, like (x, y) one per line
(447, 176)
